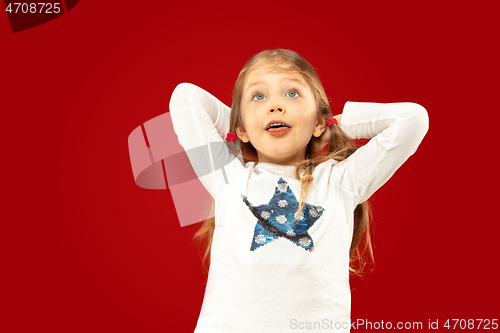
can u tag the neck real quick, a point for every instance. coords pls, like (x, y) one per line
(281, 160)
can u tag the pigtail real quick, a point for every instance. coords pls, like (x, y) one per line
(204, 236)
(361, 252)
(341, 146)
(305, 167)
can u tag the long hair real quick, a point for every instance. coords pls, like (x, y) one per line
(340, 148)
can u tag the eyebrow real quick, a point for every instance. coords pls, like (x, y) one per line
(283, 79)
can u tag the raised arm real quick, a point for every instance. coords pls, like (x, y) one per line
(395, 129)
(201, 122)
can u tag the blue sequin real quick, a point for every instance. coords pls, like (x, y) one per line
(275, 218)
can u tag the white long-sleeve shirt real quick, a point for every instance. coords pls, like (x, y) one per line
(267, 274)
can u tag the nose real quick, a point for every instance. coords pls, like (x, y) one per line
(277, 108)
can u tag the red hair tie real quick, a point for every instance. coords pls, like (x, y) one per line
(331, 121)
(231, 137)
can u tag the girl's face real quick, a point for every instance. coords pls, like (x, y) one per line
(281, 98)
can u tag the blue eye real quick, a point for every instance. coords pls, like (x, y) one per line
(258, 97)
(292, 93)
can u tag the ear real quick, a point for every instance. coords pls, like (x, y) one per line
(320, 126)
(242, 134)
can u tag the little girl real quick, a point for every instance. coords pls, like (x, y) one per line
(285, 225)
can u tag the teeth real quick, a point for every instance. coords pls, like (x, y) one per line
(276, 125)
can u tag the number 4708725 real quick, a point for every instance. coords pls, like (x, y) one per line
(31, 7)
(471, 324)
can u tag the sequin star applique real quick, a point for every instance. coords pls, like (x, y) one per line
(274, 219)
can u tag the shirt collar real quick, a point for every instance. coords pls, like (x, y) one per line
(282, 170)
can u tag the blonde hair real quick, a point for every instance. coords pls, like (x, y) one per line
(341, 147)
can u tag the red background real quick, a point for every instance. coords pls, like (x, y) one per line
(85, 249)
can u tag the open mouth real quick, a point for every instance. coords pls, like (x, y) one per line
(277, 127)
